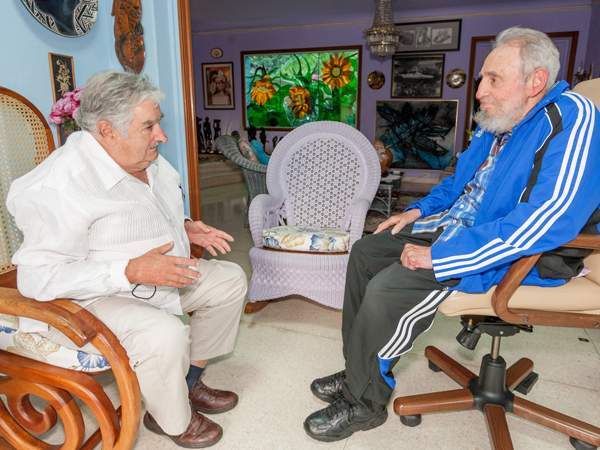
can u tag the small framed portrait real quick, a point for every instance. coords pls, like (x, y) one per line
(417, 76)
(62, 74)
(217, 82)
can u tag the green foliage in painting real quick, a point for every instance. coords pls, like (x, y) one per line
(289, 90)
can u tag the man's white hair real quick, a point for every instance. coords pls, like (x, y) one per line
(112, 95)
(536, 50)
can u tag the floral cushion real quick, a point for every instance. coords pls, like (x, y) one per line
(34, 346)
(307, 239)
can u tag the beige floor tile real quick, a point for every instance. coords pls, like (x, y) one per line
(302, 315)
(271, 369)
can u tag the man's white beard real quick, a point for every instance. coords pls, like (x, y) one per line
(506, 117)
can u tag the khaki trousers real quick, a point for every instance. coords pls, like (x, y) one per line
(160, 347)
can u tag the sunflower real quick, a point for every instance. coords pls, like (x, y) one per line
(337, 71)
(263, 91)
(300, 102)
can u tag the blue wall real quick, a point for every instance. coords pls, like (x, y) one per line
(24, 66)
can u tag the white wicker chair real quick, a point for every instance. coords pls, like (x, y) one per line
(323, 174)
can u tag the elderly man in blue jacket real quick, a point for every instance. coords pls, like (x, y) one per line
(527, 184)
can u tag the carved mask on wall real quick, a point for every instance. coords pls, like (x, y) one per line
(129, 34)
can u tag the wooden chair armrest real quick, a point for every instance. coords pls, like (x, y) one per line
(589, 241)
(64, 315)
(83, 327)
(512, 280)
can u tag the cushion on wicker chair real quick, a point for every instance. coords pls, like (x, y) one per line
(307, 239)
(34, 346)
(247, 152)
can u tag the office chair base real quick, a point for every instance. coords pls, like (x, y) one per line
(491, 393)
(411, 421)
(580, 445)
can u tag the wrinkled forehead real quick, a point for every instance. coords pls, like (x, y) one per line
(503, 60)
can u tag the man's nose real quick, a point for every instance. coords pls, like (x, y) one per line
(160, 135)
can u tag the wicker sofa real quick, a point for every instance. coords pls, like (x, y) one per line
(255, 174)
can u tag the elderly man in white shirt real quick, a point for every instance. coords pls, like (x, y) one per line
(103, 225)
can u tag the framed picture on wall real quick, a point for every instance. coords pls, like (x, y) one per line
(417, 76)
(420, 134)
(217, 83)
(285, 89)
(437, 36)
(62, 75)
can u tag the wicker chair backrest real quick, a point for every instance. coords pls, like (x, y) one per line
(25, 141)
(321, 169)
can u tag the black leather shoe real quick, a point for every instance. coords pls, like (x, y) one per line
(329, 389)
(341, 419)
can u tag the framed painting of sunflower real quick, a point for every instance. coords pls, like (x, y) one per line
(284, 89)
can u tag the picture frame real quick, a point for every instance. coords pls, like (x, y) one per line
(433, 36)
(217, 83)
(481, 46)
(420, 134)
(284, 89)
(417, 76)
(62, 75)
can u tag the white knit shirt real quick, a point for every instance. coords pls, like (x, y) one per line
(83, 218)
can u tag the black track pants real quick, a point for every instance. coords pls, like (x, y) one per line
(386, 306)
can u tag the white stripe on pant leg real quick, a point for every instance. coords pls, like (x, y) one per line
(406, 324)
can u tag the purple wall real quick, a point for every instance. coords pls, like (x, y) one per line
(592, 54)
(233, 43)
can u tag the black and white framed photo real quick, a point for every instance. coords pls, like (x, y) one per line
(437, 36)
(417, 76)
(217, 81)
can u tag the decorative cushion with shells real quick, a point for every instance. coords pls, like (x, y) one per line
(34, 346)
(307, 239)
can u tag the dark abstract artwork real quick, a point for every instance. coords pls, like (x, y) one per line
(420, 134)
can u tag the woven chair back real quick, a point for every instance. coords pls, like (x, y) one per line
(25, 141)
(321, 169)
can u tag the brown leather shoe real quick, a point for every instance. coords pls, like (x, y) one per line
(201, 432)
(211, 401)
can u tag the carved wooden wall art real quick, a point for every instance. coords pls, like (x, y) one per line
(129, 34)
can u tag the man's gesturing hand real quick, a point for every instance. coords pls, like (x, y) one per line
(399, 221)
(416, 257)
(157, 269)
(208, 237)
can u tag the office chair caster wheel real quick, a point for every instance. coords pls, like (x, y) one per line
(579, 445)
(433, 367)
(412, 421)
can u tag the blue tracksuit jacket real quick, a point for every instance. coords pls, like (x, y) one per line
(544, 188)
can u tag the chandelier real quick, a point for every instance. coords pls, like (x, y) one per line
(383, 37)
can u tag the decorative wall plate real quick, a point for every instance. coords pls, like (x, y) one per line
(376, 80)
(69, 18)
(456, 78)
(216, 52)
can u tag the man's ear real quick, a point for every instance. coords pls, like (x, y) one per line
(107, 131)
(537, 82)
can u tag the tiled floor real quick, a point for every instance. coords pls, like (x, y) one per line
(282, 348)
